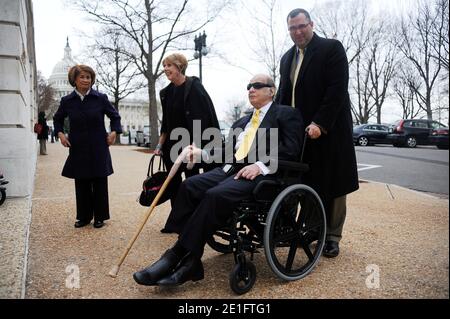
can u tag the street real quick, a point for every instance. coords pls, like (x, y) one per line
(424, 168)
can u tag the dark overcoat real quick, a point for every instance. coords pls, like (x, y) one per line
(89, 155)
(44, 133)
(197, 106)
(322, 97)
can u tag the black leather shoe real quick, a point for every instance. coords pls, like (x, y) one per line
(81, 223)
(331, 249)
(99, 224)
(190, 268)
(165, 265)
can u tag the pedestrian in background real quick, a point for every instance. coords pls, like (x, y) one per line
(89, 160)
(42, 136)
(50, 132)
(183, 101)
(314, 79)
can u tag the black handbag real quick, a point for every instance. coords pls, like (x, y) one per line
(153, 183)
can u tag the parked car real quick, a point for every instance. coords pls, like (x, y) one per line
(143, 137)
(439, 137)
(369, 134)
(412, 132)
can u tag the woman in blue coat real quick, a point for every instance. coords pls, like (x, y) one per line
(89, 160)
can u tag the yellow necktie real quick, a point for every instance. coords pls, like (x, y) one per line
(244, 148)
(297, 70)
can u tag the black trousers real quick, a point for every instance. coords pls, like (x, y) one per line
(204, 204)
(92, 198)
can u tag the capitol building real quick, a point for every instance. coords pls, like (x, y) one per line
(134, 112)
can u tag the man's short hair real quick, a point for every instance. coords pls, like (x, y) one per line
(296, 12)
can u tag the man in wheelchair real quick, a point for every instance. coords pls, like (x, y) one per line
(205, 202)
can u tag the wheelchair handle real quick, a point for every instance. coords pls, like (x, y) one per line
(304, 144)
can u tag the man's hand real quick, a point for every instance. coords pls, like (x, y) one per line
(314, 131)
(64, 140)
(111, 138)
(193, 155)
(249, 172)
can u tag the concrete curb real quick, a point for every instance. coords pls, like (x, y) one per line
(421, 193)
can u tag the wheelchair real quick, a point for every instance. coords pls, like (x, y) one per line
(285, 218)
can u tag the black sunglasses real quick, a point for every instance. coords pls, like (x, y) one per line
(258, 85)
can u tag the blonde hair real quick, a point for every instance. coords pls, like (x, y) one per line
(75, 71)
(179, 60)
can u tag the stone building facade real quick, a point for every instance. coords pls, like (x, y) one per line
(18, 96)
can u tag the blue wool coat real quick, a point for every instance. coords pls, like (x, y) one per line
(89, 155)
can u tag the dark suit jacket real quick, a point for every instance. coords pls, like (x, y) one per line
(287, 146)
(322, 97)
(89, 155)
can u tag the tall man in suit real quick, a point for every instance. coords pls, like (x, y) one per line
(314, 79)
(206, 201)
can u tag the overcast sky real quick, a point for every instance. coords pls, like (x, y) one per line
(55, 20)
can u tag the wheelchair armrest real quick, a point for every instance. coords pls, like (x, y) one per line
(266, 190)
(293, 166)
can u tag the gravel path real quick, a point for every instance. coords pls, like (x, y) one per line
(403, 234)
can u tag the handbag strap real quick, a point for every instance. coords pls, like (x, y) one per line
(150, 165)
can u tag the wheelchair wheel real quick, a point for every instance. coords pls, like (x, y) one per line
(220, 242)
(294, 235)
(2, 196)
(242, 277)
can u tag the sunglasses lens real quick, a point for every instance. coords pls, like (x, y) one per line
(256, 85)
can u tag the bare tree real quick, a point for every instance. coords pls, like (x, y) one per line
(152, 27)
(346, 21)
(115, 72)
(416, 44)
(364, 108)
(440, 34)
(405, 85)
(382, 63)
(46, 96)
(268, 44)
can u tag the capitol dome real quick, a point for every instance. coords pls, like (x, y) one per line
(58, 80)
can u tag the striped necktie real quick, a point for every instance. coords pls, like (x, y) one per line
(244, 148)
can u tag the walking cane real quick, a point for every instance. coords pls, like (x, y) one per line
(115, 269)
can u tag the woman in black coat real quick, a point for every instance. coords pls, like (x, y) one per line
(89, 160)
(185, 103)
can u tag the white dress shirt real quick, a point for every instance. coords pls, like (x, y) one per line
(262, 113)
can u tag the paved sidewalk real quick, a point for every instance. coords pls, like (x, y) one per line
(402, 233)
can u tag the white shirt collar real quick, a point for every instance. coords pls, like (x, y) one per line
(81, 95)
(263, 110)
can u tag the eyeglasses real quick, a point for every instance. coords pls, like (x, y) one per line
(258, 85)
(294, 28)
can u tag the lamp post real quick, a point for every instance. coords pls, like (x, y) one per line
(200, 50)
